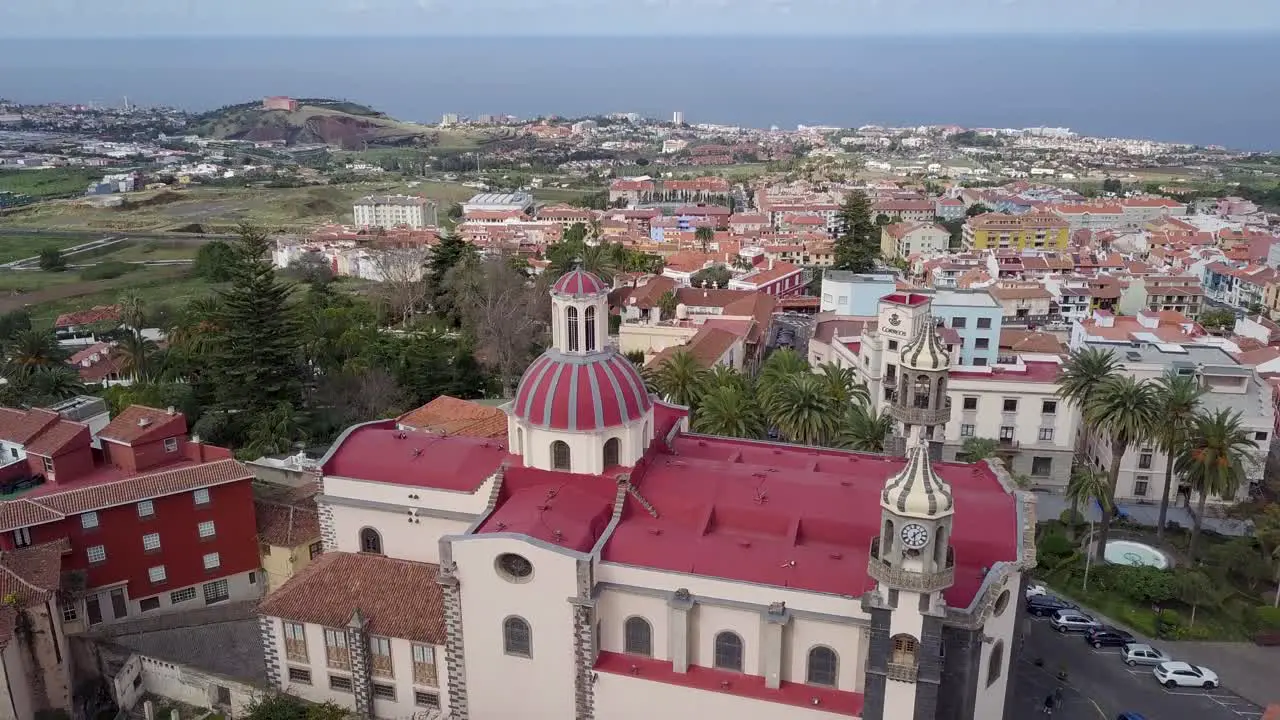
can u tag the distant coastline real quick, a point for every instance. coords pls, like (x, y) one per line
(1139, 85)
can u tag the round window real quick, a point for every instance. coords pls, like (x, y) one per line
(1002, 603)
(515, 568)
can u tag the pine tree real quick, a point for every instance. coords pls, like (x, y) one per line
(256, 360)
(858, 246)
(452, 251)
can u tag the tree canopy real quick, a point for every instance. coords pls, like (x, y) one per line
(858, 246)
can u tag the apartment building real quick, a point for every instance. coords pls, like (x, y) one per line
(1024, 302)
(902, 240)
(1228, 384)
(856, 294)
(976, 318)
(1240, 286)
(391, 211)
(1033, 231)
(1176, 293)
(154, 520)
(909, 210)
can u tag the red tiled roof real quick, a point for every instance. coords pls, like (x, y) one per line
(284, 525)
(450, 416)
(579, 282)
(398, 598)
(99, 313)
(1037, 372)
(55, 504)
(20, 426)
(62, 436)
(140, 423)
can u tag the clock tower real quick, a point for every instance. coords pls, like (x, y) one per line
(920, 391)
(912, 565)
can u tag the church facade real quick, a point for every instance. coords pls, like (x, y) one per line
(605, 563)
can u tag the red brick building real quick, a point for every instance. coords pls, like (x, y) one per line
(153, 519)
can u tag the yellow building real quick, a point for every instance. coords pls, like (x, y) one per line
(1034, 231)
(288, 530)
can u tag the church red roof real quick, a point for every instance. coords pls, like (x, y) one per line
(581, 393)
(579, 282)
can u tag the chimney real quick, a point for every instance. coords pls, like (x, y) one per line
(169, 410)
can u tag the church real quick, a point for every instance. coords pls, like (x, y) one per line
(606, 563)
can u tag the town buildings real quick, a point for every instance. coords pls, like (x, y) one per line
(518, 202)
(1034, 231)
(390, 211)
(902, 240)
(604, 562)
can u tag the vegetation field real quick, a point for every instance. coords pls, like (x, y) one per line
(218, 210)
(20, 247)
(51, 182)
(48, 294)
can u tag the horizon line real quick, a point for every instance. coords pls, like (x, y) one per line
(891, 34)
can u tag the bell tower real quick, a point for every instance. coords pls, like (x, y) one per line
(920, 397)
(912, 564)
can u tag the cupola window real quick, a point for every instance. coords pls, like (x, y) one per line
(571, 323)
(589, 321)
(560, 455)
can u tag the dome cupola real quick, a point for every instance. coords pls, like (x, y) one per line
(917, 491)
(924, 351)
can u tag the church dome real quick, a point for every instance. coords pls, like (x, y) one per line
(924, 351)
(579, 283)
(917, 491)
(581, 393)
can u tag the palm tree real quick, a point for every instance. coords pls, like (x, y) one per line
(1124, 409)
(679, 379)
(57, 382)
(864, 429)
(1213, 460)
(725, 376)
(1081, 375)
(33, 350)
(704, 235)
(802, 409)
(600, 261)
(1179, 398)
(843, 384)
(730, 412)
(1087, 484)
(779, 365)
(135, 356)
(667, 304)
(742, 263)
(132, 311)
(977, 449)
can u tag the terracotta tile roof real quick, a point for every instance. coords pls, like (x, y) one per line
(1036, 292)
(451, 416)
(137, 422)
(710, 344)
(1030, 341)
(99, 313)
(20, 426)
(284, 525)
(51, 507)
(61, 436)
(30, 576)
(825, 331)
(399, 598)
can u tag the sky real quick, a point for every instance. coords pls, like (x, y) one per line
(138, 18)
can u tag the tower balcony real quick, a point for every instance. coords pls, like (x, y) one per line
(920, 416)
(884, 573)
(902, 672)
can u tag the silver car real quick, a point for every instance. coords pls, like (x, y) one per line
(1140, 654)
(1065, 621)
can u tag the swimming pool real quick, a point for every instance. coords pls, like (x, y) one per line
(1127, 552)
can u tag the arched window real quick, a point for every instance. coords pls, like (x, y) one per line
(995, 663)
(519, 441)
(940, 548)
(904, 650)
(822, 666)
(517, 639)
(571, 328)
(611, 452)
(728, 655)
(370, 541)
(638, 638)
(589, 321)
(888, 538)
(922, 392)
(560, 455)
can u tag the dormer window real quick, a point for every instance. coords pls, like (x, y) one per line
(201, 496)
(89, 520)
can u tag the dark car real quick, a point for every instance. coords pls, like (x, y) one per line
(1130, 716)
(1108, 636)
(1047, 605)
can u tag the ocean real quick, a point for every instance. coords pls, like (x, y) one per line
(1211, 89)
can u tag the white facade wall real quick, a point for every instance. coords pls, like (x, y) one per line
(1002, 627)
(193, 687)
(417, 541)
(508, 687)
(387, 215)
(15, 690)
(585, 448)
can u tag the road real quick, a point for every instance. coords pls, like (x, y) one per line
(1100, 686)
(85, 236)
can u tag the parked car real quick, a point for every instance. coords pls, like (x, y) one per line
(1140, 654)
(1180, 674)
(1065, 621)
(1107, 636)
(1046, 605)
(1131, 716)
(1034, 590)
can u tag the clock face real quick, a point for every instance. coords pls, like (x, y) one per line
(895, 320)
(915, 536)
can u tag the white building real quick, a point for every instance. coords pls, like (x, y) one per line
(521, 202)
(388, 211)
(603, 562)
(1227, 384)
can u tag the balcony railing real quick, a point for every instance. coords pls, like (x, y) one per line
(923, 582)
(920, 416)
(902, 672)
